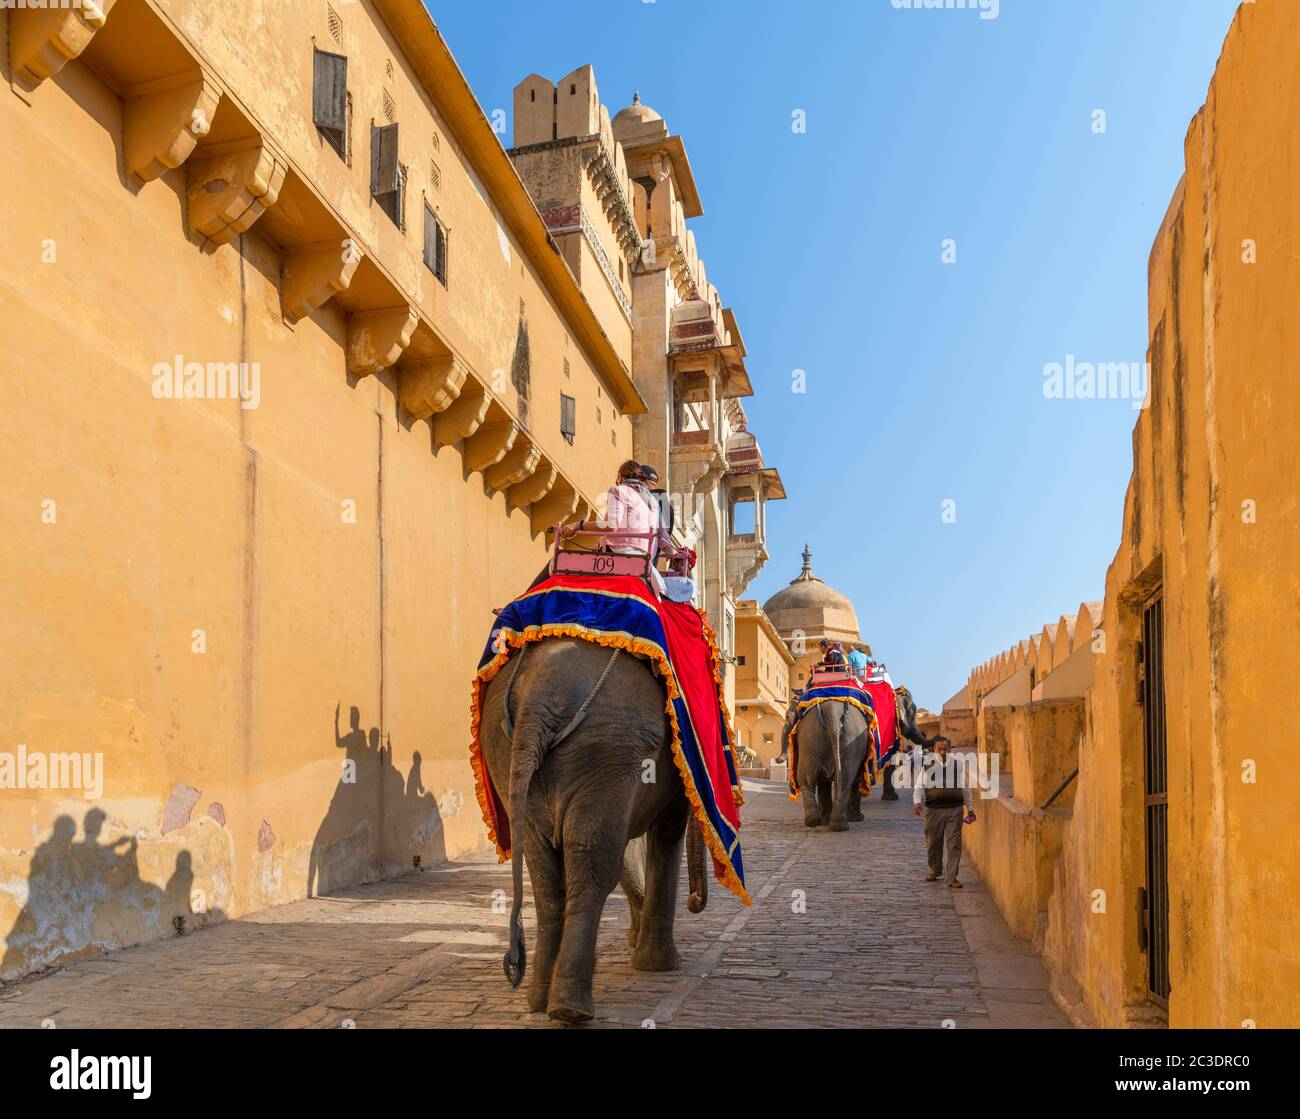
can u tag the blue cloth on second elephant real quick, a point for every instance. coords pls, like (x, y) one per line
(842, 693)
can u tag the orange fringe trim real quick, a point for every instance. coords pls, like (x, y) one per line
(517, 640)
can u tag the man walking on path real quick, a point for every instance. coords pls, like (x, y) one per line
(943, 787)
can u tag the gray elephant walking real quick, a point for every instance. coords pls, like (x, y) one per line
(905, 708)
(832, 743)
(578, 735)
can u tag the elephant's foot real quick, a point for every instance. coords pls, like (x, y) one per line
(571, 1003)
(856, 817)
(838, 825)
(812, 821)
(539, 995)
(662, 956)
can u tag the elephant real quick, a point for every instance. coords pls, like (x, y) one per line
(569, 730)
(832, 742)
(905, 706)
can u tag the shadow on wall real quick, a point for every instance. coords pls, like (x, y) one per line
(86, 895)
(378, 822)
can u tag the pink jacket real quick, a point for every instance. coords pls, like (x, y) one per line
(628, 510)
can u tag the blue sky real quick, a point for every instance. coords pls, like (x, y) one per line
(924, 379)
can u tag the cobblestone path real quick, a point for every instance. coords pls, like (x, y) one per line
(843, 932)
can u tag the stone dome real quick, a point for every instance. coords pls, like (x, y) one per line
(636, 113)
(810, 605)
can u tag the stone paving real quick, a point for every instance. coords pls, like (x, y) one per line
(843, 932)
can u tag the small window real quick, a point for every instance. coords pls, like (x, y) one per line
(566, 368)
(568, 417)
(435, 178)
(740, 660)
(329, 98)
(597, 417)
(386, 178)
(435, 246)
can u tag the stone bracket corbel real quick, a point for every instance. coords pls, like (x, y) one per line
(231, 189)
(43, 40)
(461, 418)
(313, 274)
(427, 386)
(533, 488)
(376, 339)
(490, 444)
(163, 121)
(514, 467)
(559, 505)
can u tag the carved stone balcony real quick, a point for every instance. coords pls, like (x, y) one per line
(746, 554)
(696, 461)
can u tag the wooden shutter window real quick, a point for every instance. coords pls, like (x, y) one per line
(386, 177)
(383, 159)
(329, 100)
(568, 415)
(440, 255)
(435, 245)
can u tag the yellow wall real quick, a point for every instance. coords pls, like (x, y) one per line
(1211, 519)
(131, 522)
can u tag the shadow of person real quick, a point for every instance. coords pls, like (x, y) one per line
(346, 846)
(420, 820)
(81, 894)
(378, 821)
(47, 901)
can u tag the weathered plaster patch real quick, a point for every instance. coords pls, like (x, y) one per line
(179, 807)
(265, 837)
(218, 812)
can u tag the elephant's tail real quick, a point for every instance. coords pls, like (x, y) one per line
(697, 873)
(525, 760)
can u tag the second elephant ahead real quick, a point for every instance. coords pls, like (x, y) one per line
(832, 744)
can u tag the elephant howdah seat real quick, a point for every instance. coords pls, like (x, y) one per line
(832, 675)
(614, 553)
(618, 552)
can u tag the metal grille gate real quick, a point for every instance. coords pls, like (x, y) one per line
(1155, 916)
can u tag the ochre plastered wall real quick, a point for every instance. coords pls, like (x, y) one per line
(332, 556)
(1211, 522)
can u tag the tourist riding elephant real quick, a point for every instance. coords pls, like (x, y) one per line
(831, 745)
(571, 730)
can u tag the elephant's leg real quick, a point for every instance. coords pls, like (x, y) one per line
(888, 791)
(812, 813)
(825, 798)
(655, 950)
(845, 781)
(547, 876)
(855, 805)
(633, 882)
(593, 862)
